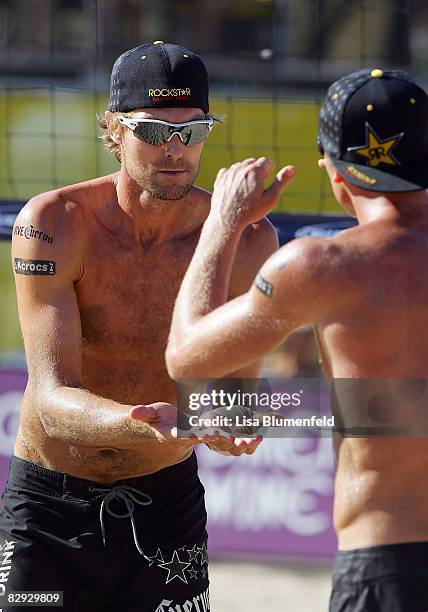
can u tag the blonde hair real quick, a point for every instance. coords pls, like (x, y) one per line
(109, 121)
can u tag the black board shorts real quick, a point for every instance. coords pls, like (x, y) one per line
(135, 545)
(389, 578)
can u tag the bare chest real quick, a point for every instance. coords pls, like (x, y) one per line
(130, 298)
(126, 299)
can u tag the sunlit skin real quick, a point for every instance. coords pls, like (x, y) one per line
(365, 290)
(100, 404)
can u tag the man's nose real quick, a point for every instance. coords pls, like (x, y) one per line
(174, 147)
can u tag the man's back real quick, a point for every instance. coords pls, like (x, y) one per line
(378, 330)
(378, 326)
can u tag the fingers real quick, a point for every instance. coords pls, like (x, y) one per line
(186, 442)
(248, 446)
(282, 179)
(143, 413)
(263, 162)
(234, 167)
(154, 411)
(266, 166)
(217, 441)
(193, 438)
(220, 174)
(244, 182)
(236, 447)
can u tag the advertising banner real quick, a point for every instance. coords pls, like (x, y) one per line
(12, 385)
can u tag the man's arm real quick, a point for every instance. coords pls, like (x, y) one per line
(46, 271)
(257, 243)
(210, 338)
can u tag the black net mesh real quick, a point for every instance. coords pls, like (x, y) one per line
(270, 62)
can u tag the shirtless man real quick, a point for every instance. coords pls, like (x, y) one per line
(366, 292)
(98, 266)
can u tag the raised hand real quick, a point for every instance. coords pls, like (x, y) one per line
(239, 195)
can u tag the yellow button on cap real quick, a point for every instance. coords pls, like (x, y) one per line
(158, 42)
(376, 73)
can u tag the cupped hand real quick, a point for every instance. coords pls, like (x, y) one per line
(162, 419)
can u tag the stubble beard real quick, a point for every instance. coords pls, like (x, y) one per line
(146, 179)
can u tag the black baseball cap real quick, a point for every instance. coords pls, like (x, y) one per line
(158, 75)
(374, 127)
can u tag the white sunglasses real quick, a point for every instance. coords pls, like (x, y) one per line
(156, 132)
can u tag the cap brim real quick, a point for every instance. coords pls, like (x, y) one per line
(409, 178)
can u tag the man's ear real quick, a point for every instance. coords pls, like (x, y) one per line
(115, 130)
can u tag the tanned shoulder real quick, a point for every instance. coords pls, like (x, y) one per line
(48, 229)
(309, 273)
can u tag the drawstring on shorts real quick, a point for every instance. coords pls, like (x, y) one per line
(130, 496)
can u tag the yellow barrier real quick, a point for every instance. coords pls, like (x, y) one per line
(50, 139)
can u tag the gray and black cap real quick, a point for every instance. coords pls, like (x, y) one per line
(158, 75)
(374, 127)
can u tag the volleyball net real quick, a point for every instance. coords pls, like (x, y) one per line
(270, 62)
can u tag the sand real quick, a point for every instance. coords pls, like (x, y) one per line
(255, 587)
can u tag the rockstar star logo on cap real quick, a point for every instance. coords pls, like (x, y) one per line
(175, 568)
(378, 150)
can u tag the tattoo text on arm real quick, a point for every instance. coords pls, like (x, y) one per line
(34, 267)
(28, 231)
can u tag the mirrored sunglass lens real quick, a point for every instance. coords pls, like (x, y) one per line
(189, 134)
(199, 133)
(152, 133)
(194, 134)
(158, 133)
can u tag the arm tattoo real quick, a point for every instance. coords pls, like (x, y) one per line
(264, 286)
(28, 232)
(34, 267)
